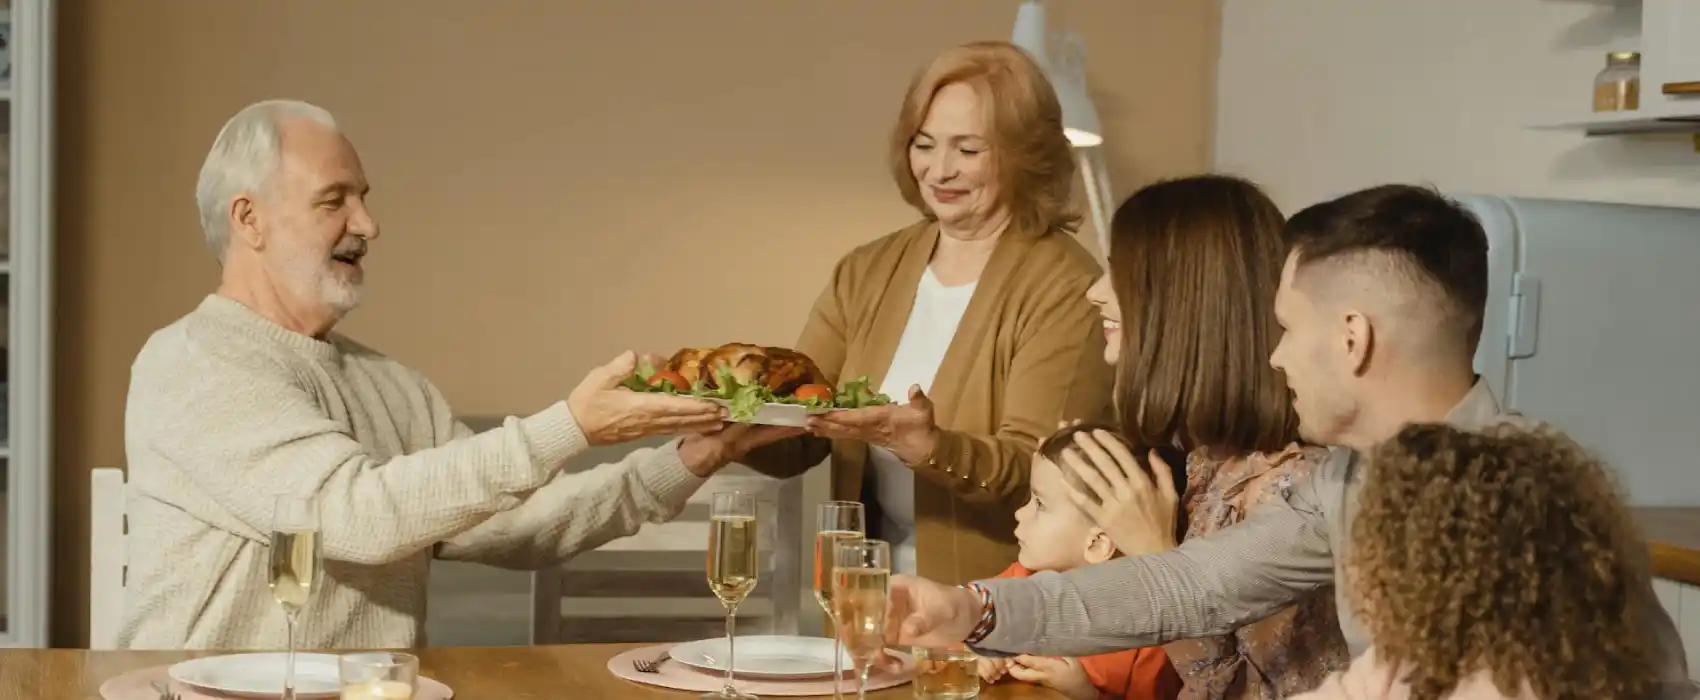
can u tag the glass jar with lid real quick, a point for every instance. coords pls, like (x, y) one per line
(1617, 88)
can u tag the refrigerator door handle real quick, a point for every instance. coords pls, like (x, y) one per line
(1525, 315)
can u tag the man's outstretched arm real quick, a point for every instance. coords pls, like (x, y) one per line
(1209, 585)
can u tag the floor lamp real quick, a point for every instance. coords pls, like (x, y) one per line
(1065, 67)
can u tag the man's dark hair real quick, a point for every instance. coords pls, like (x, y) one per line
(1438, 240)
(1061, 441)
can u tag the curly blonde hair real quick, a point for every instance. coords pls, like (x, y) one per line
(1509, 551)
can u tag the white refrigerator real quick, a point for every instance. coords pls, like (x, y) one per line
(1593, 324)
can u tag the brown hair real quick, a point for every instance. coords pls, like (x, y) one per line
(1509, 551)
(1062, 441)
(1429, 238)
(1195, 263)
(1031, 158)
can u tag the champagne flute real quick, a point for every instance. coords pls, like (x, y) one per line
(297, 566)
(836, 521)
(731, 569)
(862, 569)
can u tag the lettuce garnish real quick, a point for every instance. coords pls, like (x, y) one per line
(745, 400)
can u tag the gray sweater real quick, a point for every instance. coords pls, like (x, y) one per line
(1212, 585)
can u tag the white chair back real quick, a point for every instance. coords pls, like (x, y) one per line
(651, 584)
(108, 556)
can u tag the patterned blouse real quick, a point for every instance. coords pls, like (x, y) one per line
(1277, 657)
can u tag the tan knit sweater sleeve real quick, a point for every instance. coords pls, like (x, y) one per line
(244, 425)
(577, 512)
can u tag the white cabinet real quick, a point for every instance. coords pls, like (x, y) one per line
(1669, 43)
(1673, 40)
(26, 265)
(1682, 601)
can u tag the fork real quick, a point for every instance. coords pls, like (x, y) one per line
(642, 665)
(164, 692)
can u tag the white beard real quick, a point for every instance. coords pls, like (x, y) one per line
(312, 277)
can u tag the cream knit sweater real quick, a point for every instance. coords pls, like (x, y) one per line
(227, 409)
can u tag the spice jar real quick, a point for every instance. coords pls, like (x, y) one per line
(1618, 87)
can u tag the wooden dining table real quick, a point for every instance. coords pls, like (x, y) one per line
(474, 673)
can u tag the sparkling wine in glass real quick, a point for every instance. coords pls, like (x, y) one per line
(862, 569)
(836, 521)
(297, 566)
(731, 569)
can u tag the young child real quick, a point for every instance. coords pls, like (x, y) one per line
(1055, 536)
(1491, 566)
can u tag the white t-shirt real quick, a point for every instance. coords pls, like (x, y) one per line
(932, 324)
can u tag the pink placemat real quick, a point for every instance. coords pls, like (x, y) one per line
(678, 676)
(137, 685)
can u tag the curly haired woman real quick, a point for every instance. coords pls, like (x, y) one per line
(1497, 565)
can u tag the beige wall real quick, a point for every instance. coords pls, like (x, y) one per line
(557, 181)
(1317, 97)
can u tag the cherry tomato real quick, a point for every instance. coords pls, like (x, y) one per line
(677, 380)
(813, 391)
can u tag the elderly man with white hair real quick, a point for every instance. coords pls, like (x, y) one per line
(251, 395)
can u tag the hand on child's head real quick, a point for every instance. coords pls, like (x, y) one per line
(1136, 504)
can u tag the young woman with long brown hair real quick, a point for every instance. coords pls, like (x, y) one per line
(1188, 310)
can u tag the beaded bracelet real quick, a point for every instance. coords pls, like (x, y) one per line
(988, 615)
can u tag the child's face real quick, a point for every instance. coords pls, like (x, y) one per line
(1053, 533)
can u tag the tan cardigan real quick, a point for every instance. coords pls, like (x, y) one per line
(1028, 352)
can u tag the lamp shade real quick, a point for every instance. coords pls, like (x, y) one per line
(1065, 68)
(1030, 32)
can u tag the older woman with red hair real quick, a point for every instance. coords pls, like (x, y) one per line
(974, 319)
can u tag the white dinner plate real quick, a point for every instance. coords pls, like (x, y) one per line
(788, 415)
(260, 675)
(764, 656)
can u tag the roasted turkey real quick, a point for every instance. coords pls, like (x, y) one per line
(688, 363)
(787, 370)
(780, 370)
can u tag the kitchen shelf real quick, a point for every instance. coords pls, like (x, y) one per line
(1637, 122)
